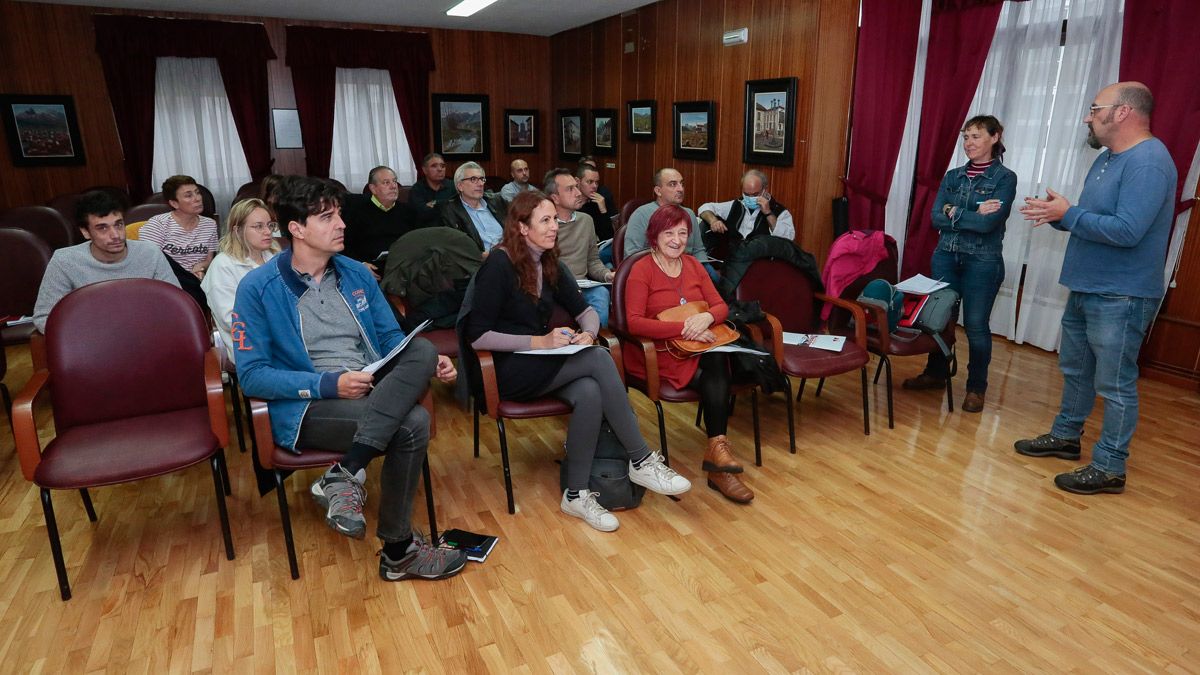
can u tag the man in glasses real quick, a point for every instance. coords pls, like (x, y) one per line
(1114, 268)
(479, 216)
(376, 219)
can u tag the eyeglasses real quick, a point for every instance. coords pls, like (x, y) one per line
(1093, 108)
(473, 179)
(272, 227)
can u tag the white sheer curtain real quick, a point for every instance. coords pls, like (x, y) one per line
(367, 131)
(1017, 86)
(194, 133)
(1090, 61)
(895, 219)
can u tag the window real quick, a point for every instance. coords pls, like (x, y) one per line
(367, 131)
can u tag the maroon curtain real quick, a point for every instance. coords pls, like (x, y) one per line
(883, 74)
(128, 46)
(959, 41)
(1159, 49)
(314, 54)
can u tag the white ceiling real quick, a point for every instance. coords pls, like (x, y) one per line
(532, 17)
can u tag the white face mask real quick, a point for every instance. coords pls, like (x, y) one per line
(751, 203)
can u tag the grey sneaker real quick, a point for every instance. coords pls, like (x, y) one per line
(656, 476)
(423, 561)
(342, 496)
(1048, 446)
(589, 510)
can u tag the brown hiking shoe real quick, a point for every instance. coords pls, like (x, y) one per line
(973, 402)
(719, 456)
(925, 381)
(730, 486)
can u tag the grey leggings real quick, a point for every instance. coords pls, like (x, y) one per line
(389, 419)
(589, 383)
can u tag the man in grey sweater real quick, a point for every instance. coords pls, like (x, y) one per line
(578, 246)
(105, 255)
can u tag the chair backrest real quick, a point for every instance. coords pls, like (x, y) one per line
(43, 221)
(119, 194)
(618, 246)
(23, 260)
(145, 211)
(783, 291)
(134, 230)
(617, 320)
(493, 184)
(125, 348)
(888, 269)
(631, 206)
(65, 205)
(246, 191)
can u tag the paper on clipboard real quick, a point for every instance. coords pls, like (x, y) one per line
(830, 343)
(734, 349)
(556, 351)
(372, 368)
(590, 283)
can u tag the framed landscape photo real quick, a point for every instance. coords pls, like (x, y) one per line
(570, 133)
(42, 130)
(604, 131)
(460, 126)
(695, 130)
(640, 118)
(769, 136)
(521, 130)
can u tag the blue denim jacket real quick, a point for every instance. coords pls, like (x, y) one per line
(968, 231)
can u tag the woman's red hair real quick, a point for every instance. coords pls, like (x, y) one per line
(520, 211)
(664, 219)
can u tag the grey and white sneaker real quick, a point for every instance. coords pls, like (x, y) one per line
(589, 510)
(656, 476)
(423, 561)
(341, 495)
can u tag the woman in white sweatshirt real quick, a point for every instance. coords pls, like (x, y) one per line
(249, 243)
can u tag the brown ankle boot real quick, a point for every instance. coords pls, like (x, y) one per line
(719, 456)
(731, 486)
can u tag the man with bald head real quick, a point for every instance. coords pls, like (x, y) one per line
(519, 170)
(668, 189)
(755, 213)
(1114, 268)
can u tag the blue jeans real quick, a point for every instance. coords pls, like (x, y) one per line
(1101, 337)
(977, 278)
(597, 297)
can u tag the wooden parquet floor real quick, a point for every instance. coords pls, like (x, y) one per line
(932, 547)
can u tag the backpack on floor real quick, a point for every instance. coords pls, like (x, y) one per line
(610, 474)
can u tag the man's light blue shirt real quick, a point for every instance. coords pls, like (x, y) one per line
(490, 230)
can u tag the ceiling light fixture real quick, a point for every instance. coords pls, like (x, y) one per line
(468, 7)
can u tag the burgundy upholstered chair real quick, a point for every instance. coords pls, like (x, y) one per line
(444, 339)
(653, 387)
(790, 295)
(65, 205)
(43, 221)
(631, 206)
(247, 191)
(143, 212)
(23, 260)
(281, 462)
(124, 409)
(618, 246)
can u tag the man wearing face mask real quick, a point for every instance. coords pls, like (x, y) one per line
(754, 214)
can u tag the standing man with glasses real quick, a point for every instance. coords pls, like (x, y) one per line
(477, 215)
(1114, 268)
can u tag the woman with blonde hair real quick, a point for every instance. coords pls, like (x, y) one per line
(249, 243)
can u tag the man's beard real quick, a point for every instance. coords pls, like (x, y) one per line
(1093, 142)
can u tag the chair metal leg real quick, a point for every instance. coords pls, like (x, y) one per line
(475, 407)
(87, 504)
(433, 529)
(866, 405)
(800, 389)
(250, 416)
(887, 363)
(508, 488)
(879, 368)
(286, 520)
(820, 384)
(218, 471)
(225, 485)
(757, 435)
(235, 401)
(662, 433)
(791, 416)
(7, 398)
(699, 414)
(60, 566)
(950, 380)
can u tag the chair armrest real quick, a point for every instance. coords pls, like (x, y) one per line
(37, 350)
(427, 403)
(216, 396)
(879, 315)
(613, 345)
(491, 391)
(650, 356)
(774, 336)
(29, 448)
(398, 303)
(856, 310)
(260, 422)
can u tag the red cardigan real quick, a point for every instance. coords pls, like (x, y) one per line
(648, 291)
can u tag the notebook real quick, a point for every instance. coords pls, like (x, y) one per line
(477, 546)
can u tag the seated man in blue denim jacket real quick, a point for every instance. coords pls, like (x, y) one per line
(304, 326)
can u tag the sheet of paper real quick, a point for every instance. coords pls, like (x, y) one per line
(372, 368)
(734, 349)
(557, 351)
(589, 283)
(19, 321)
(920, 285)
(832, 343)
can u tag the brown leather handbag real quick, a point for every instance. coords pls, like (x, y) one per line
(681, 348)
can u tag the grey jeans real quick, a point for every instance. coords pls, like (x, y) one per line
(389, 419)
(588, 381)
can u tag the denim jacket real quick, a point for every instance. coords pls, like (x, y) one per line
(968, 231)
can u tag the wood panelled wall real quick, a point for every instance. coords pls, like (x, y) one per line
(50, 49)
(677, 56)
(1172, 351)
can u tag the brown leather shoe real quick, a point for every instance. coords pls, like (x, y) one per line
(973, 402)
(719, 456)
(925, 381)
(731, 486)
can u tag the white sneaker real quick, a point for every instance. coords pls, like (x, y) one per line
(656, 476)
(587, 508)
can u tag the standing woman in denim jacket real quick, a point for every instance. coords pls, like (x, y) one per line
(971, 208)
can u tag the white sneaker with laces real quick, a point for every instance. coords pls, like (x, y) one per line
(589, 510)
(656, 476)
